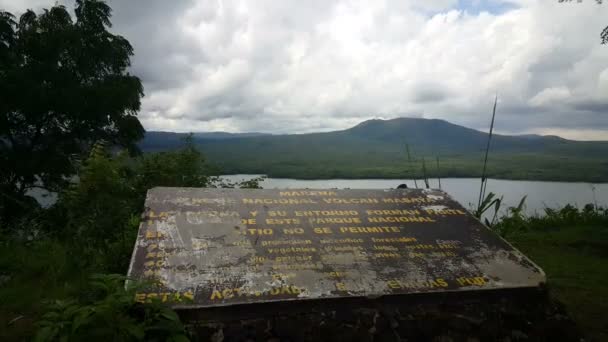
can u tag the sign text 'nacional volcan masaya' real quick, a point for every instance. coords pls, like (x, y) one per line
(211, 247)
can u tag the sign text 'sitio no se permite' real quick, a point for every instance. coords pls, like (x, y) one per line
(214, 247)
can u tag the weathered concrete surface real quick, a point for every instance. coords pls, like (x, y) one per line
(218, 247)
(515, 315)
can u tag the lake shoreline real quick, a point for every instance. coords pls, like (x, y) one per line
(539, 194)
(417, 179)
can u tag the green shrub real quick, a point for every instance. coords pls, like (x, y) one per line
(108, 312)
(92, 229)
(98, 215)
(33, 271)
(185, 167)
(514, 222)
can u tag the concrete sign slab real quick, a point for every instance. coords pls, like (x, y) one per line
(217, 247)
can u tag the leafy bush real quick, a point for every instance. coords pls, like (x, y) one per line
(98, 215)
(515, 222)
(32, 271)
(184, 167)
(92, 229)
(108, 312)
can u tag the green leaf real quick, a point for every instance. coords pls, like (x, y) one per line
(170, 315)
(520, 206)
(81, 319)
(178, 338)
(46, 334)
(484, 205)
(136, 331)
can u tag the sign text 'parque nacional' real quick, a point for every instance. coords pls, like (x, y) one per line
(214, 247)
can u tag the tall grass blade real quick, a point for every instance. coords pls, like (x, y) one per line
(497, 204)
(426, 178)
(482, 189)
(438, 173)
(409, 159)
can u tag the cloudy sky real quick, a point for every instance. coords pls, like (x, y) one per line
(318, 65)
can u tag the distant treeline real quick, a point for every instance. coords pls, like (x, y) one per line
(377, 149)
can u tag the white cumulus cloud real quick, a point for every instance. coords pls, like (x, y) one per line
(301, 66)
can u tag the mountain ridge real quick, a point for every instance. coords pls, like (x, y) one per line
(377, 148)
(231, 135)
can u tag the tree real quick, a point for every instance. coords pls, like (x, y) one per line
(99, 214)
(183, 167)
(604, 33)
(63, 86)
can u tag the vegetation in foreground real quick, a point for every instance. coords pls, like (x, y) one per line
(571, 246)
(53, 261)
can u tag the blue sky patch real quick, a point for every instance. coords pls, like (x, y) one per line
(495, 7)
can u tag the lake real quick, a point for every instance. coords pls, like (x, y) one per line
(540, 195)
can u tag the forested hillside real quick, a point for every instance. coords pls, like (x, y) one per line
(377, 148)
